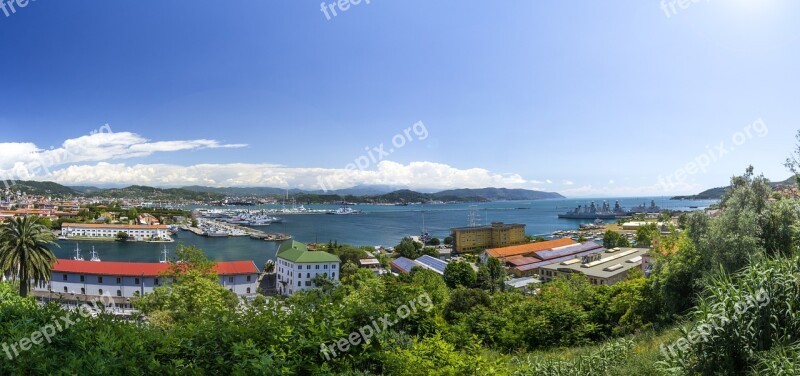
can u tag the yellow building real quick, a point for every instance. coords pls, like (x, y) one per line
(498, 234)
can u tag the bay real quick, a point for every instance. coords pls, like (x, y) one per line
(379, 225)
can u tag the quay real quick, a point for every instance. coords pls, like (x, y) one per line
(213, 228)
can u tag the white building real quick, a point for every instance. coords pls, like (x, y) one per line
(84, 280)
(100, 230)
(297, 267)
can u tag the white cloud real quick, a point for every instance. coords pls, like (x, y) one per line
(413, 175)
(549, 181)
(611, 181)
(567, 182)
(26, 160)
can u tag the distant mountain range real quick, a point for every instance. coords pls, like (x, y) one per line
(717, 193)
(362, 193)
(387, 194)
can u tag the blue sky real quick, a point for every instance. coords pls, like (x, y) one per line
(585, 98)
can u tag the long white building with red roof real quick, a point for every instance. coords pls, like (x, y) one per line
(86, 280)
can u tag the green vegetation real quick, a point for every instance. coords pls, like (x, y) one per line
(25, 252)
(408, 248)
(646, 234)
(155, 194)
(89, 213)
(44, 188)
(726, 288)
(190, 291)
(613, 239)
(459, 274)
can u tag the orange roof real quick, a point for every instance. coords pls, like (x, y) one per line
(522, 249)
(147, 269)
(103, 225)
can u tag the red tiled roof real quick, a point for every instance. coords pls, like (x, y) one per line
(147, 269)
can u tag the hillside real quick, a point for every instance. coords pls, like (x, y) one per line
(499, 194)
(241, 191)
(717, 193)
(358, 194)
(384, 194)
(151, 193)
(41, 188)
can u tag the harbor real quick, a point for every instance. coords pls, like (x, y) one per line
(215, 228)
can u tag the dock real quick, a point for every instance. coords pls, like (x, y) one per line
(234, 230)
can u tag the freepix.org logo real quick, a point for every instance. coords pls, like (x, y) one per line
(9, 7)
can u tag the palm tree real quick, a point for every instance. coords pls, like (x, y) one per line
(24, 251)
(269, 267)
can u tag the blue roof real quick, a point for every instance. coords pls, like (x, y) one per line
(569, 250)
(432, 263)
(404, 265)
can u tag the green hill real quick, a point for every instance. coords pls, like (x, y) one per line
(151, 193)
(499, 194)
(41, 188)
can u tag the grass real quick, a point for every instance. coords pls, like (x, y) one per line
(640, 360)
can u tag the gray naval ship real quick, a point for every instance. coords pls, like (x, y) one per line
(605, 212)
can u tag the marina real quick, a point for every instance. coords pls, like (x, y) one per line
(379, 225)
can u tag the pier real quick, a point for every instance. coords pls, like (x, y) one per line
(222, 229)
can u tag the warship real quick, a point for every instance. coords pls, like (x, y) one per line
(593, 212)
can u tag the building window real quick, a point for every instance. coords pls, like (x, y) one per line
(333, 266)
(308, 267)
(299, 283)
(230, 279)
(136, 281)
(99, 279)
(119, 292)
(83, 291)
(308, 283)
(119, 280)
(299, 267)
(248, 290)
(316, 266)
(333, 275)
(325, 267)
(100, 292)
(65, 277)
(308, 275)
(65, 288)
(248, 278)
(155, 281)
(82, 278)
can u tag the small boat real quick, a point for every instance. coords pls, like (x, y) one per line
(77, 256)
(95, 257)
